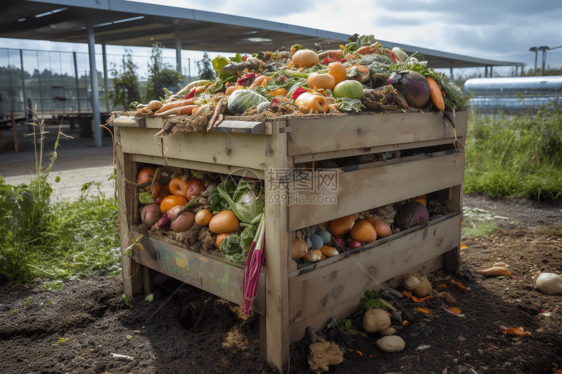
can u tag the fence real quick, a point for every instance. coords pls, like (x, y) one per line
(58, 83)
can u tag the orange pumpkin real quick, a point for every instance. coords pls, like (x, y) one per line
(308, 102)
(422, 200)
(338, 71)
(363, 231)
(171, 201)
(179, 186)
(278, 92)
(381, 227)
(305, 58)
(342, 226)
(325, 81)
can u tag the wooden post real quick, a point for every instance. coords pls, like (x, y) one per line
(277, 245)
(16, 145)
(132, 272)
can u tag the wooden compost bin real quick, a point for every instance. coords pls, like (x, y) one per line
(291, 299)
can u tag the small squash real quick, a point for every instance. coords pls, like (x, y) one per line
(329, 251)
(221, 237)
(312, 102)
(363, 231)
(351, 89)
(225, 221)
(203, 217)
(338, 71)
(382, 228)
(314, 255)
(278, 92)
(305, 58)
(342, 226)
(298, 249)
(231, 89)
(325, 81)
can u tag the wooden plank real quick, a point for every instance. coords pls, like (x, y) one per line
(362, 131)
(196, 165)
(124, 121)
(217, 277)
(344, 309)
(315, 291)
(239, 150)
(364, 189)
(369, 150)
(277, 246)
(147, 283)
(132, 277)
(241, 127)
(451, 259)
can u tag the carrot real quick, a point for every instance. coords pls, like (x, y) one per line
(259, 81)
(366, 50)
(435, 93)
(392, 56)
(333, 53)
(176, 104)
(495, 271)
(187, 109)
(190, 86)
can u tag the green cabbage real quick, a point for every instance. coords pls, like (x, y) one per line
(242, 100)
(246, 202)
(236, 247)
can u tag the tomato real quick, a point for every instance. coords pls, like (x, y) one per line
(171, 201)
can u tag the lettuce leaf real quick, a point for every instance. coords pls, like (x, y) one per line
(346, 104)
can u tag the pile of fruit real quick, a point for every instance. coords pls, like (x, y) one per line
(360, 76)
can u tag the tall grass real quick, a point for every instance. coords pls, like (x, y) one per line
(60, 240)
(515, 155)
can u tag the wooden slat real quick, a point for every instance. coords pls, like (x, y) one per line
(362, 131)
(236, 150)
(369, 188)
(123, 121)
(277, 246)
(318, 290)
(207, 273)
(297, 331)
(132, 273)
(196, 165)
(241, 127)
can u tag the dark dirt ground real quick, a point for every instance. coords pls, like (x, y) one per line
(198, 333)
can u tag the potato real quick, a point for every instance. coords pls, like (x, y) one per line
(425, 286)
(376, 320)
(183, 222)
(150, 214)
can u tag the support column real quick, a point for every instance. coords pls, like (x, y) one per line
(543, 61)
(23, 86)
(491, 72)
(94, 78)
(452, 77)
(486, 72)
(105, 79)
(178, 49)
(516, 71)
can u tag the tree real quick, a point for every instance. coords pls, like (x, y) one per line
(205, 68)
(126, 83)
(161, 75)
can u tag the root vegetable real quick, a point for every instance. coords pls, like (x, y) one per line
(376, 320)
(329, 251)
(183, 222)
(353, 244)
(435, 93)
(495, 271)
(391, 343)
(411, 283)
(203, 217)
(363, 231)
(154, 105)
(314, 255)
(176, 104)
(342, 226)
(298, 249)
(173, 212)
(150, 214)
(549, 283)
(425, 286)
(382, 228)
(163, 221)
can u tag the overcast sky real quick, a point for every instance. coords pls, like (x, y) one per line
(493, 29)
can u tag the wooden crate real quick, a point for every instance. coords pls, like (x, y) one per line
(291, 299)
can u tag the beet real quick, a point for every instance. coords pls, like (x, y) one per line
(413, 86)
(411, 214)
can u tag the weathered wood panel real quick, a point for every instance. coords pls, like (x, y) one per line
(236, 150)
(297, 331)
(374, 185)
(207, 273)
(313, 292)
(363, 131)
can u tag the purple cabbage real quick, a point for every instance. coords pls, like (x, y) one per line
(411, 214)
(413, 86)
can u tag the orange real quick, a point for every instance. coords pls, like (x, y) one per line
(171, 201)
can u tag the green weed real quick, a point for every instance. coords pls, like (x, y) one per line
(554, 230)
(515, 156)
(478, 228)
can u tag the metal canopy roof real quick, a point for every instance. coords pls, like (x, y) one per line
(119, 22)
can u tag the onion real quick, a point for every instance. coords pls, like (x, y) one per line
(354, 244)
(163, 221)
(338, 241)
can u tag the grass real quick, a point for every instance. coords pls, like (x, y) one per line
(515, 156)
(554, 230)
(477, 222)
(57, 241)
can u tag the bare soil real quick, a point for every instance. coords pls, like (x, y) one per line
(196, 332)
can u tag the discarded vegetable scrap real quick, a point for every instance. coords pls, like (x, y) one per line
(360, 76)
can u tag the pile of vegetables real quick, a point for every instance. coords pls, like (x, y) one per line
(318, 242)
(223, 214)
(361, 75)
